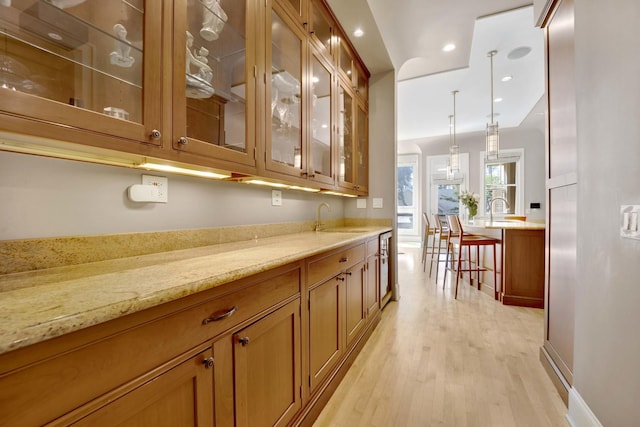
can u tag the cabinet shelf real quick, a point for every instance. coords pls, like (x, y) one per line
(43, 49)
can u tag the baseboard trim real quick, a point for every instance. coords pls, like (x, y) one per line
(580, 415)
(555, 375)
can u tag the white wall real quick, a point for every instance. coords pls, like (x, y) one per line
(607, 344)
(529, 138)
(44, 197)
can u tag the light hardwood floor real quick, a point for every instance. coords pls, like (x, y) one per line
(435, 361)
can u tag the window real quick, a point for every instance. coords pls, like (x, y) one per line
(502, 182)
(408, 192)
(443, 198)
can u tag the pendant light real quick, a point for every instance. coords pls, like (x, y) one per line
(454, 149)
(493, 139)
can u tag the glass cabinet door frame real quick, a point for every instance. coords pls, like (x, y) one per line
(62, 121)
(269, 163)
(341, 84)
(331, 178)
(361, 174)
(204, 148)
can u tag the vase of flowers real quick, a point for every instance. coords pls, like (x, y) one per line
(470, 200)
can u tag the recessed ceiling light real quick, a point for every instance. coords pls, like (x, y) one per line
(506, 78)
(448, 47)
(519, 52)
(324, 126)
(55, 36)
(358, 32)
(497, 100)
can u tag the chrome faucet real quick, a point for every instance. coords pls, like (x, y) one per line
(318, 222)
(491, 206)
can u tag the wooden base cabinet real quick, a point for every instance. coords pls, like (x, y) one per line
(326, 303)
(181, 396)
(242, 354)
(267, 369)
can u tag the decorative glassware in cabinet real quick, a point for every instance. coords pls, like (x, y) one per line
(85, 54)
(213, 100)
(285, 94)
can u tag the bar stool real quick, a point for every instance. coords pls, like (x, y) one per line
(440, 235)
(457, 237)
(428, 231)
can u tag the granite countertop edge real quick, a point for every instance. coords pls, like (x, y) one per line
(39, 305)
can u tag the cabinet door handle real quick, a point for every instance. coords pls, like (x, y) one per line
(156, 134)
(343, 259)
(219, 315)
(340, 278)
(208, 362)
(244, 341)
(183, 140)
(348, 273)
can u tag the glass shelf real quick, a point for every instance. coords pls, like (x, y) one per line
(80, 52)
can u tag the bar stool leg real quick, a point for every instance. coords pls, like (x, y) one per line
(458, 271)
(495, 275)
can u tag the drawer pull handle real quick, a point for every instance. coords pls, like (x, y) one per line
(344, 259)
(208, 362)
(244, 341)
(220, 315)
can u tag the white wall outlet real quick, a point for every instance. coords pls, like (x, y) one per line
(162, 183)
(361, 203)
(377, 203)
(276, 198)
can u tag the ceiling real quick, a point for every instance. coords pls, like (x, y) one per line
(408, 36)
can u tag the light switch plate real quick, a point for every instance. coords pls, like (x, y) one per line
(361, 203)
(377, 203)
(629, 221)
(276, 198)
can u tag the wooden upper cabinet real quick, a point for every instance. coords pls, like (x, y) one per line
(89, 66)
(214, 90)
(362, 83)
(285, 76)
(297, 9)
(321, 160)
(361, 159)
(346, 62)
(322, 29)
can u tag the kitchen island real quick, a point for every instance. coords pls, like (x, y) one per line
(520, 261)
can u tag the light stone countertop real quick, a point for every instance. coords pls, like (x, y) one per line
(504, 224)
(43, 304)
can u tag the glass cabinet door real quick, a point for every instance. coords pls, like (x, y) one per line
(362, 149)
(320, 150)
(322, 28)
(345, 136)
(80, 63)
(284, 94)
(213, 94)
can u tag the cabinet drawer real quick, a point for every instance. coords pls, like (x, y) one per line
(90, 370)
(322, 268)
(372, 247)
